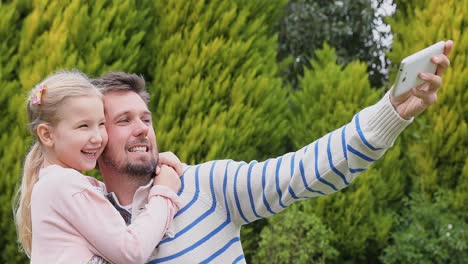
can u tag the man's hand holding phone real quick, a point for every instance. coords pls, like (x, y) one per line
(414, 102)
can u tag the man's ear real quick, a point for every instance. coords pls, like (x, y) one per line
(45, 135)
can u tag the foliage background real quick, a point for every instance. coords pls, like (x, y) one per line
(224, 85)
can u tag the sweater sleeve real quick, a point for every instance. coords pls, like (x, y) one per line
(256, 190)
(101, 225)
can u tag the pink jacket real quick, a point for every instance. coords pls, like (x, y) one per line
(72, 221)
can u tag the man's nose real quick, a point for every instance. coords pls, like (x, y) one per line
(141, 129)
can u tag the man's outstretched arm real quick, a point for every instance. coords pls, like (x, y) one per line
(259, 189)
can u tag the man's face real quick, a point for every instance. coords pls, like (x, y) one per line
(132, 147)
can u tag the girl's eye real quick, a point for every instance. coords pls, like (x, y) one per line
(124, 120)
(102, 124)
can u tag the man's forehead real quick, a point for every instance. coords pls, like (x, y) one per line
(120, 102)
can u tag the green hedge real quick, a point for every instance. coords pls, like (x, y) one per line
(218, 92)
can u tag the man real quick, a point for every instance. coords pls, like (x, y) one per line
(220, 196)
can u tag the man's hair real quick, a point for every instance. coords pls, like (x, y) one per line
(121, 81)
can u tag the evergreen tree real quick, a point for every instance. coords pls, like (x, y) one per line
(361, 215)
(437, 142)
(299, 230)
(216, 91)
(428, 231)
(331, 94)
(354, 28)
(93, 38)
(12, 124)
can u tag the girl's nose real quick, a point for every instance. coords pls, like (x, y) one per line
(96, 138)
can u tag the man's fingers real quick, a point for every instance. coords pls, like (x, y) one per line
(448, 47)
(427, 97)
(434, 80)
(442, 60)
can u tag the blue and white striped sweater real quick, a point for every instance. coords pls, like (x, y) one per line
(220, 196)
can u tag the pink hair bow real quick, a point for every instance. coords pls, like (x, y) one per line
(37, 94)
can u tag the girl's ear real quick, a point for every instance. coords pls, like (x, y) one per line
(45, 134)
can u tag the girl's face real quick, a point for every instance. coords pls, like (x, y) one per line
(80, 136)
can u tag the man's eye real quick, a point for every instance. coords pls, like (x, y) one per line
(124, 120)
(83, 126)
(147, 121)
(102, 124)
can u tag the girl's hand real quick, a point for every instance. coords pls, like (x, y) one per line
(168, 177)
(169, 159)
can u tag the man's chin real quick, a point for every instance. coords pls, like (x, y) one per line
(146, 168)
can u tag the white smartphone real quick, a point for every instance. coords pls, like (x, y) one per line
(411, 66)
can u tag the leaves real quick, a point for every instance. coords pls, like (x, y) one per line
(353, 28)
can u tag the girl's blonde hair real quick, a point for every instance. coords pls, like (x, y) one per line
(44, 106)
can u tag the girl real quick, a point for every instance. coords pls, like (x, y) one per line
(62, 216)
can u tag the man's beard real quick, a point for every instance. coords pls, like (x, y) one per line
(141, 169)
(137, 169)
